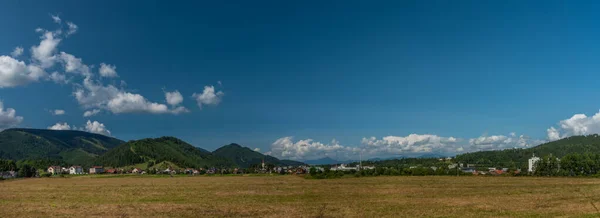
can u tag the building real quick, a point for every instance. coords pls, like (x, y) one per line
(343, 167)
(75, 170)
(54, 170)
(96, 170)
(111, 171)
(532, 162)
(136, 170)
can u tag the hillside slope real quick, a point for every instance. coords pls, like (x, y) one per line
(159, 150)
(245, 157)
(72, 147)
(518, 157)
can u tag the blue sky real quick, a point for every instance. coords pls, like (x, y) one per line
(457, 76)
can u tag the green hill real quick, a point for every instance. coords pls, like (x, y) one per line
(71, 147)
(158, 150)
(518, 157)
(245, 157)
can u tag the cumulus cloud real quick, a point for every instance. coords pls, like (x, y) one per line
(17, 52)
(578, 124)
(411, 145)
(8, 117)
(308, 149)
(16, 73)
(58, 78)
(56, 18)
(60, 126)
(208, 96)
(44, 54)
(257, 149)
(58, 112)
(134, 103)
(91, 113)
(73, 64)
(107, 70)
(173, 98)
(96, 127)
(72, 28)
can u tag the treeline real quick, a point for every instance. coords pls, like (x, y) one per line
(574, 164)
(384, 171)
(518, 157)
(23, 168)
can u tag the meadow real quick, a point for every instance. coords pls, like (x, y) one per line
(292, 196)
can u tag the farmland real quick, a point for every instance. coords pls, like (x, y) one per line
(292, 196)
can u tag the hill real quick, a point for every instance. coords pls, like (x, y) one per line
(245, 157)
(68, 146)
(153, 151)
(518, 158)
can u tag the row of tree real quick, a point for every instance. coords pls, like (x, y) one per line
(574, 164)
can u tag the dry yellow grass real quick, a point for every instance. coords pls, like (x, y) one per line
(290, 196)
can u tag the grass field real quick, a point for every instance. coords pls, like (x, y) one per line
(291, 196)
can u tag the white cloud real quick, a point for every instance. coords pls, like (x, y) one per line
(93, 95)
(208, 96)
(553, 134)
(56, 19)
(308, 149)
(8, 117)
(44, 54)
(107, 70)
(578, 124)
(72, 28)
(17, 52)
(257, 149)
(179, 110)
(58, 78)
(60, 126)
(173, 98)
(16, 73)
(411, 145)
(499, 142)
(58, 112)
(73, 64)
(96, 127)
(91, 113)
(134, 103)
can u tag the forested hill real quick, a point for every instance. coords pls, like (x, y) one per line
(245, 157)
(518, 157)
(71, 147)
(158, 150)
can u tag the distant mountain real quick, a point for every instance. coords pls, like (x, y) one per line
(71, 147)
(245, 157)
(518, 158)
(157, 150)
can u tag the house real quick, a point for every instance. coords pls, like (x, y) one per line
(8, 174)
(188, 171)
(111, 171)
(96, 170)
(75, 170)
(54, 170)
(136, 170)
(468, 170)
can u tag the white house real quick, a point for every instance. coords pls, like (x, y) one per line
(96, 170)
(532, 162)
(54, 170)
(75, 170)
